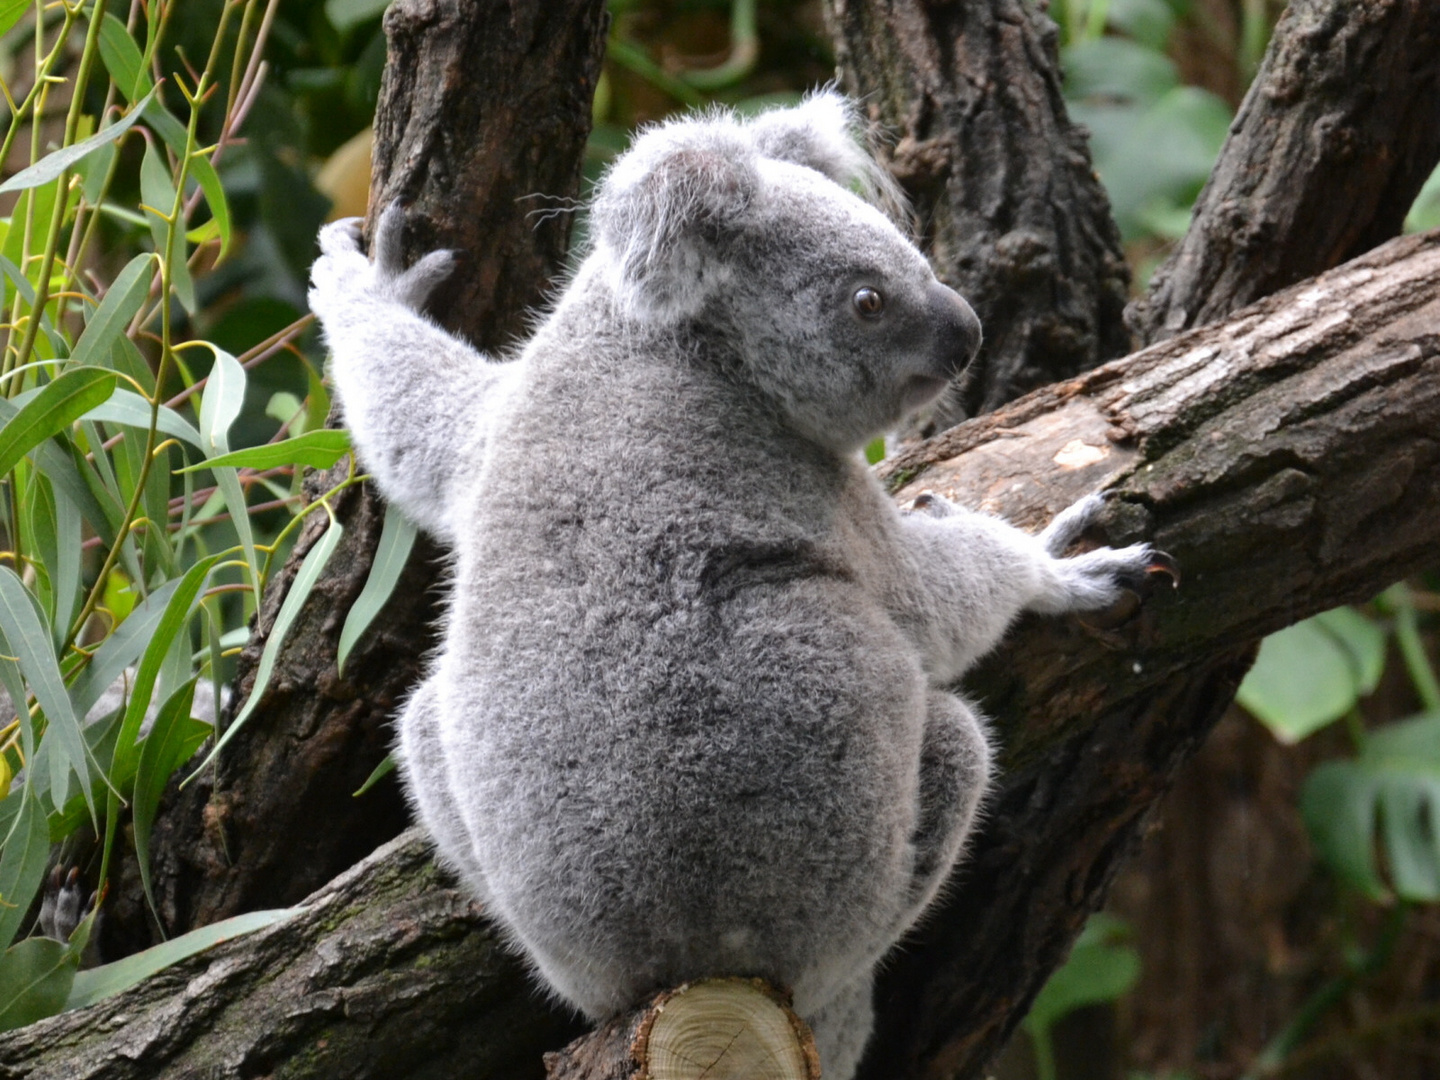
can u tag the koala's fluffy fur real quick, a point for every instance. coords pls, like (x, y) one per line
(691, 715)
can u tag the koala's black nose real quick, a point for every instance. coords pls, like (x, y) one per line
(957, 328)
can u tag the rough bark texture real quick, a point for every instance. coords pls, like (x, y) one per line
(1288, 458)
(1238, 450)
(483, 104)
(388, 972)
(1010, 211)
(1329, 149)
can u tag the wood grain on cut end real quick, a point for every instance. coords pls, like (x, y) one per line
(716, 1029)
(725, 1029)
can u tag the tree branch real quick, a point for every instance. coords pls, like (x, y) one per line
(1288, 458)
(1011, 212)
(483, 104)
(1339, 131)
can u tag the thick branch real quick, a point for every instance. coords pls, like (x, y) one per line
(1011, 213)
(1288, 458)
(1331, 145)
(483, 105)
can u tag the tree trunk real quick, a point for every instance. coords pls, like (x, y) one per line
(1287, 458)
(482, 105)
(1329, 149)
(1011, 212)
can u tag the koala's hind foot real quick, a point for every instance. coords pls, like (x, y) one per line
(63, 906)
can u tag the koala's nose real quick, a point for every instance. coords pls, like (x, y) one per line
(957, 328)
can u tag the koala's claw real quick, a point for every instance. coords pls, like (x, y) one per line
(1161, 563)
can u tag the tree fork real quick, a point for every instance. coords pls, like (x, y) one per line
(1341, 375)
(483, 104)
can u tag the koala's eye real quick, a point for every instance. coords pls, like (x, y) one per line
(868, 302)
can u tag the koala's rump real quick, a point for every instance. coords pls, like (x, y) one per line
(669, 783)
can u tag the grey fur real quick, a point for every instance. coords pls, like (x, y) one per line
(690, 716)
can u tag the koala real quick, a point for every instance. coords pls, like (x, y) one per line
(693, 714)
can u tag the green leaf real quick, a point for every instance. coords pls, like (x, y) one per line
(1099, 969)
(1149, 22)
(178, 139)
(172, 622)
(22, 862)
(52, 165)
(173, 739)
(158, 193)
(129, 408)
(58, 405)
(220, 404)
(123, 60)
(348, 14)
(397, 537)
(318, 448)
(109, 321)
(36, 976)
(1303, 679)
(1395, 784)
(11, 12)
(96, 984)
(118, 652)
(28, 638)
(1114, 69)
(310, 570)
(384, 769)
(1361, 640)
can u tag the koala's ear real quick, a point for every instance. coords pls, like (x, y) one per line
(667, 205)
(824, 132)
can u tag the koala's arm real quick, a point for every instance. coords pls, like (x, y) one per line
(975, 574)
(418, 401)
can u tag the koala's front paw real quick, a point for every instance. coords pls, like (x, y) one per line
(413, 286)
(344, 275)
(1105, 577)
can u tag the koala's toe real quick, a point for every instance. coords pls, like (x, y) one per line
(389, 239)
(1067, 526)
(341, 237)
(414, 286)
(63, 905)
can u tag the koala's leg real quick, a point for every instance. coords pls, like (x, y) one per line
(968, 575)
(842, 1028)
(422, 765)
(416, 399)
(955, 773)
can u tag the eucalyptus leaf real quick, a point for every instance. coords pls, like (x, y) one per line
(26, 848)
(58, 405)
(173, 738)
(123, 60)
(320, 449)
(110, 320)
(36, 976)
(28, 638)
(397, 538)
(52, 165)
(313, 565)
(96, 984)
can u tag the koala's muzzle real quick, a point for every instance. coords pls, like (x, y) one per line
(957, 329)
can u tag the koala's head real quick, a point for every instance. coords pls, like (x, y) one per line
(752, 228)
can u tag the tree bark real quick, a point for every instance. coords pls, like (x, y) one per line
(1287, 458)
(1339, 131)
(1010, 210)
(482, 105)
